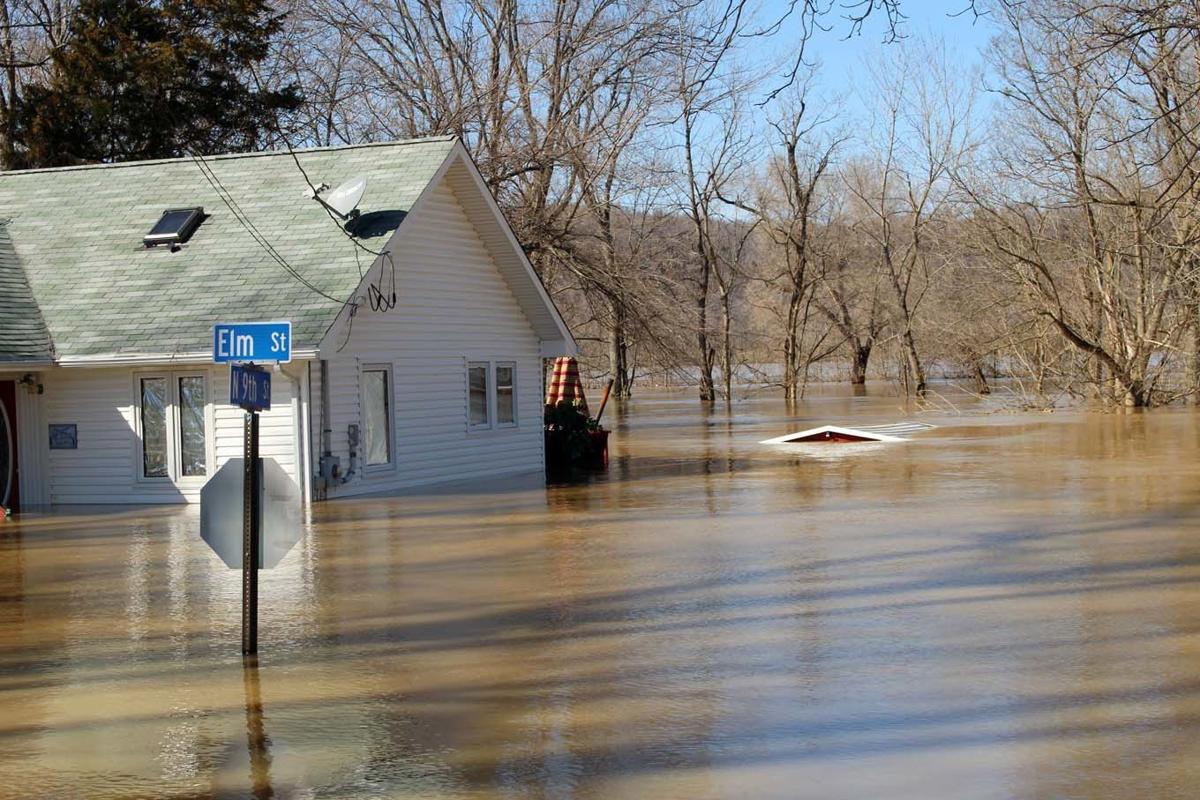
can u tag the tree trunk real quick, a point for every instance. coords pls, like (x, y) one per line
(7, 147)
(791, 348)
(981, 381)
(726, 346)
(618, 351)
(708, 390)
(858, 364)
(1135, 395)
(916, 373)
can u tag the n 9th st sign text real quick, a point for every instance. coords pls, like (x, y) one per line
(252, 342)
(249, 387)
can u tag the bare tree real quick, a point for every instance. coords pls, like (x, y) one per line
(921, 138)
(1101, 239)
(786, 207)
(712, 149)
(848, 290)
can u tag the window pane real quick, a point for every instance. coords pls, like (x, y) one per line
(376, 419)
(154, 427)
(191, 426)
(479, 394)
(505, 411)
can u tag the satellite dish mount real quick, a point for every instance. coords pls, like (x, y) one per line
(343, 200)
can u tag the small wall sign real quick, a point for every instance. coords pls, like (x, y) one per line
(64, 437)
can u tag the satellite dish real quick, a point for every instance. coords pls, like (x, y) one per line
(344, 200)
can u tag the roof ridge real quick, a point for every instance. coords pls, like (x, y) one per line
(228, 156)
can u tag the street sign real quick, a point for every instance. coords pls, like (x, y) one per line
(249, 387)
(221, 509)
(258, 342)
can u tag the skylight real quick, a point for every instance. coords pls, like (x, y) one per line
(174, 227)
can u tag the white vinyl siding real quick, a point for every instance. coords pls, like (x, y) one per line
(105, 467)
(454, 307)
(32, 446)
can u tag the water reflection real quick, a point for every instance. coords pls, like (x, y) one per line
(257, 743)
(1005, 607)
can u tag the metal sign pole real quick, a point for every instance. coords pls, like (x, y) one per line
(240, 345)
(250, 536)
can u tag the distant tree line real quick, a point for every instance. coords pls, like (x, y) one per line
(699, 217)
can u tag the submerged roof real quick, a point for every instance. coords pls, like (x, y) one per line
(76, 280)
(893, 432)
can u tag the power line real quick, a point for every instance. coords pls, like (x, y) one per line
(259, 238)
(379, 301)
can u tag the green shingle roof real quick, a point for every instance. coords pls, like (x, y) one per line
(74, 248)
(23, 335)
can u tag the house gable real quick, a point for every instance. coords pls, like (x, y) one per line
(454, 308)
(490, 228)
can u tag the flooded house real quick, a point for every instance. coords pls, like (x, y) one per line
(418, 324)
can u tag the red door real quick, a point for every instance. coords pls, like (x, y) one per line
(9, 485)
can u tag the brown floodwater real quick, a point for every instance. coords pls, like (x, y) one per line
(1007, 606)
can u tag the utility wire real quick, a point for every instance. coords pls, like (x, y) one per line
(379, 300)
(241, 216)
(259, 238)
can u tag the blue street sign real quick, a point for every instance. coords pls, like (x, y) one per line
(258, 342)
(249, 387)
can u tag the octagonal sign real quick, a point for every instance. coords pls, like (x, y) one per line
(221, 513)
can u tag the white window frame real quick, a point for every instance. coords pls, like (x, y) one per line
(475, 427)
(386, 369)
(174, 474)
(496, 393)
(493, 407)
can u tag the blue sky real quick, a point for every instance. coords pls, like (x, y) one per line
(841, 58)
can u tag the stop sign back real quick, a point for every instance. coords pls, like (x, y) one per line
(221, 513)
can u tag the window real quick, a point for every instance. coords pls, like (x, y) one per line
(171, 417)
(192, 448)
(477, 389)
(491, 394)
(154, 428)
(377, 415)
(506, 409)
